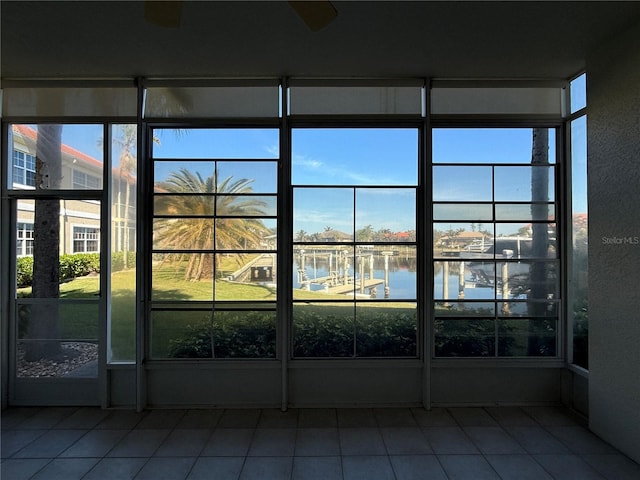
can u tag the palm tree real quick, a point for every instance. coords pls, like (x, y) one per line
(127, 166)
(43, 323)
(237, 223)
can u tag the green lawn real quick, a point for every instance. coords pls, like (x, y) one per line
(81, 320)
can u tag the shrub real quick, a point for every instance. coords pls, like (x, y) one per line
(24, 271)
(71, 266)
(78, 265)
(117, 260)
(232, 335)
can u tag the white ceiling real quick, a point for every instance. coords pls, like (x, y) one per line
(476, 39)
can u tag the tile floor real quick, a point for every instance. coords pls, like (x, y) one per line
(535, 443)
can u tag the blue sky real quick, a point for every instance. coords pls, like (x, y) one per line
(352, 157)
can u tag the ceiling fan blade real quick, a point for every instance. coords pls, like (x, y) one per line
(316, 14)
(166, 13)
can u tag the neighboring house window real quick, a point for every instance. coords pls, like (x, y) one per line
(24, 239)
(85, 181)
(24, 168)
(86, 239)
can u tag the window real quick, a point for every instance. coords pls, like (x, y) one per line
(24, 168)
(24, 239)
(214, 243)
(354, 245)
(86, 239)
(83, 180)
(495, 257)
(578, 305)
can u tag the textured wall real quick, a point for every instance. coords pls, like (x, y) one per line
(613, 126)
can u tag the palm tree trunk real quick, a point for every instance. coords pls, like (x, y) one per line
(44, 320)
(540, 235)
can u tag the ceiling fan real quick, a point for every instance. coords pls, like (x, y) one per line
(316, 14)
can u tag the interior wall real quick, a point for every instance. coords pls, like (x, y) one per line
(613, 125)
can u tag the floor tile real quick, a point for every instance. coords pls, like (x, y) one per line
(66, 469)
(121, 420)
(580, 440)
(239, 418)
(535, 439)
(318, 418)
(206, 419)
(551, 415)
(317, 468)
(517, 467)
(21, 469)
(50, 444)
(116, 469)
(166, 469)
(161, 419)
(361, 441)
(13, 417)
(184, 443)
(472, 417)
(467, 467)
(563, 467)
(273, 442)
(47, 418)
(493, 440)
(449, 440)
(267, 468)
(317, 442)
(613, 466)
(405, 441)
(83, 418)
(417, 467)
(394, 417)
(139, 443)
(276, 418)
(228, 442)
(510, 416)
(436, 417)
(367, 467)
(15, 440)
(96, 443)
(217, 468)
(356, 418)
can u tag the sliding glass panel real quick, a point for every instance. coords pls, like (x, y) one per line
(323, 214)
(379, 212)
(323, 329)
(462, 183)
(386, 330)
(355, 156)
(527, 337)
(487, 145)
(182, 276)
(231, 143)
(464, 338)
(56, 157)
(201, 334)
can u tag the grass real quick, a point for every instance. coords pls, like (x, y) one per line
(168, 283)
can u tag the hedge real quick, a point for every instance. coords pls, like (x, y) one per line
(71, 266)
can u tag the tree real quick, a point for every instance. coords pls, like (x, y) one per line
(365, 234)
(43, 322)
(127, 167)
(237, 225)
(301, 236)
(539, 231)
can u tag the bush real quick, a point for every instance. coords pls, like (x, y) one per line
(24, 271)
(78, 265)
(117, 260)
(71, 266)
(232, 335)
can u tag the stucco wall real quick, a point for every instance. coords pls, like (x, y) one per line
(613, 127)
